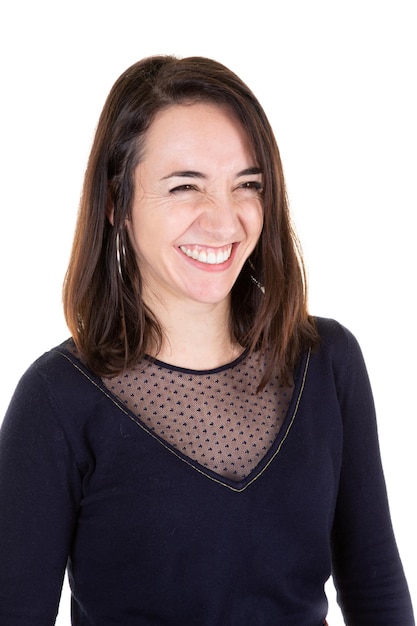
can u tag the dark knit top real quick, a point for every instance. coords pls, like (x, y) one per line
(201, 504)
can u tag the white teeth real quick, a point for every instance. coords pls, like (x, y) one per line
(211, 257)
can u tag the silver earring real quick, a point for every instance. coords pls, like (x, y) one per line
(252, 277)
(257, 283)
(119, 254)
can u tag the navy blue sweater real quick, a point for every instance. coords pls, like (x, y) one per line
(152, 537)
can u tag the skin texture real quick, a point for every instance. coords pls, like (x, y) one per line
(196, 217)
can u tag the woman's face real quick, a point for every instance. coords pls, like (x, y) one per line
(197, 209)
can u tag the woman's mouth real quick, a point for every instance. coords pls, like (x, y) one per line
(210, 256)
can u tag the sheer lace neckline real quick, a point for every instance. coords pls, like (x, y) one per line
(213, 417)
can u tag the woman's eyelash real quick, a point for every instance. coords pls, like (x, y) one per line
(186, 187)
(252, 184)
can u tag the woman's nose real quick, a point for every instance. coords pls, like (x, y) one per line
(219, 217)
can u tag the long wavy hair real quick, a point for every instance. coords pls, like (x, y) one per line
(102, 293)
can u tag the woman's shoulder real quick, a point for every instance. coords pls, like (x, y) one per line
(61, 357)
(337, 344)
(333, 334)
(339, 356)
(61, 373)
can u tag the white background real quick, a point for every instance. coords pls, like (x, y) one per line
(338, 81)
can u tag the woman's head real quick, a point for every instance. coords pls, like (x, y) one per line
(152, 85)
(103, 289)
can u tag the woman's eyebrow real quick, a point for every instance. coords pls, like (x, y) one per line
(184, 174)
(249, 171)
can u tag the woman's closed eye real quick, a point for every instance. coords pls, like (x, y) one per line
(181, 188)
(253, 186)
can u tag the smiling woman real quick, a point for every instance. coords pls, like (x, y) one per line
(162, 146)
(201, 450)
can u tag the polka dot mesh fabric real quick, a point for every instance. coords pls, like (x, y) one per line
(214, 417)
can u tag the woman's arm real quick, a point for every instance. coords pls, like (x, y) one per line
(367, 569)
(39, 494)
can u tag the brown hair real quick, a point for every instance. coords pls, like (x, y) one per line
(103, 305)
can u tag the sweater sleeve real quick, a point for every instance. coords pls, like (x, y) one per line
(39, 491)
(367, 569)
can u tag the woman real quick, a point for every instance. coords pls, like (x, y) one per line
(202, 451)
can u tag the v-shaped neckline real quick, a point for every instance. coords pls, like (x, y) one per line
(232, 484)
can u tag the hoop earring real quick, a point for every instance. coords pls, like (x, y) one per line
(119, 254)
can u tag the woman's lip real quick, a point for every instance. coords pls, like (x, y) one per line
(207, 255)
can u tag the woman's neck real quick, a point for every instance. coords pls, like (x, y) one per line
(197, 336)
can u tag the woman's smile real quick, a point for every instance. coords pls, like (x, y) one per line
(208, 255)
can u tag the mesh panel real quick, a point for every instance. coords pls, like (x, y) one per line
(213, 417)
